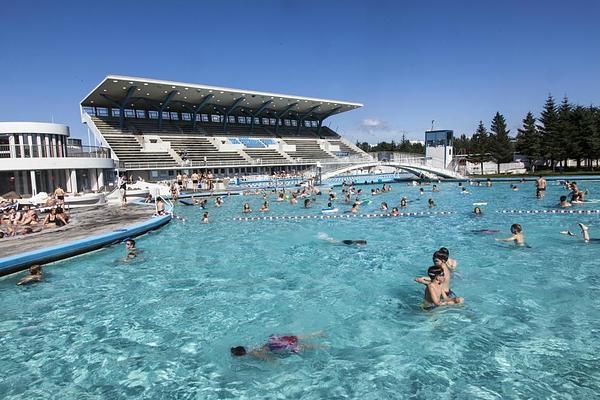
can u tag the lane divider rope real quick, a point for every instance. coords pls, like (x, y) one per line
(343, 216)
(548, 211)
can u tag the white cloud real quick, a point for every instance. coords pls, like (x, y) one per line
(372, 124)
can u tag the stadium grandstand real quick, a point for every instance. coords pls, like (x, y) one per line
(155, 128)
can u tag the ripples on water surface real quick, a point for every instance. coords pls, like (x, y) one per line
(162, 326)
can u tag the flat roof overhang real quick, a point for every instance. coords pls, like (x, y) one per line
(134, 92)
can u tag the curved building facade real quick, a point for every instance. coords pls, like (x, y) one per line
(38, 156)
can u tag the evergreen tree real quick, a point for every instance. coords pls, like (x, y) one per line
(529, 141)
(565, 141)
(479, 146)
(461, 145)
(549, 130)
(501, 147)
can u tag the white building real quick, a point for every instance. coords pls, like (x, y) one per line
(35, 157)
(438, 147)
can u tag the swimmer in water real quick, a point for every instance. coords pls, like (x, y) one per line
(306, 203)
(264, 207)
(327, 238)
(514, 188)
(450, 262)
(585, 234)
(280, 345)
(430, 203)
(421, 192)
(464, 190)
(563, 202)
(132, 251)
(435, 294)
(205, 218)
(354, 209)
(246, 208)
(434, 188)
(517, 235)
(403, 202)
(477, 211)
(218, 202)
(383, 206)
(441, 260)
(395, 212)
(35, 275)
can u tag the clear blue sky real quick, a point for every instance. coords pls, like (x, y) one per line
(455, 62)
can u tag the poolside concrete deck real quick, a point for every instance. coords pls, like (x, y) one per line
(85, 222)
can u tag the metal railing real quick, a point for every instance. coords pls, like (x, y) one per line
(43, 151)
(241, 163)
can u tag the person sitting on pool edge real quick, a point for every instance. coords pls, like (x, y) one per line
(280, 345)
(35, 275)
(585, 235)
(517, 235)
(435, 295)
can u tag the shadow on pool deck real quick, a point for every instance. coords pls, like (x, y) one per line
(85, 222)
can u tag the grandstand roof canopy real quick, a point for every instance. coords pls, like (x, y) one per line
(132, 92)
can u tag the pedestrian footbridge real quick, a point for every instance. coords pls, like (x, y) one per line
(416, 166)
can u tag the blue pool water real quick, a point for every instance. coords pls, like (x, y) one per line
(161, 327)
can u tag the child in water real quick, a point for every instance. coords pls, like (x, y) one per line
(435, 295)
(281, 345)
(517, 235)
(205, 218)
(35, 275)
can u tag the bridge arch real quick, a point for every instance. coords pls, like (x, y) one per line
(417, 169)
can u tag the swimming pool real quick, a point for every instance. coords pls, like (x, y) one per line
(162, 326)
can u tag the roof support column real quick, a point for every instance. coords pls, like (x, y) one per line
(258, 111)
(164, 105)
(236, 104)
(282, 114)
(199, 107)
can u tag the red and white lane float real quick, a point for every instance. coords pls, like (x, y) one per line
(342, 216)
(549, 211)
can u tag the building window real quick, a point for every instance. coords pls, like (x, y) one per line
(165, 115)
(294, 122)
(102, 112)
(129, 113)
(286, 122)
(174, 116)
(231, 119)
(153, 114)
(314, 124)
(204, 117)
(256, 121)
(186, 116)
(265, 121)
(116, 112)
(241, 120)
(89, 110)
(273, 121)
(140, 114)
